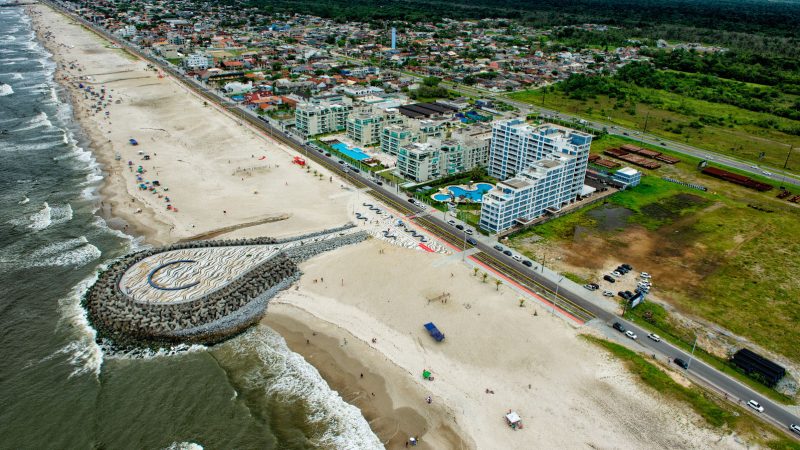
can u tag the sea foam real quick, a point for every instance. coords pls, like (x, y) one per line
(5, 89)
(291, 375)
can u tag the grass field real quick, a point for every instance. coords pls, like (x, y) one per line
(718, 127)
(714, 410)
(712, 254)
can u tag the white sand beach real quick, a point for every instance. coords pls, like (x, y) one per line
(497, 356)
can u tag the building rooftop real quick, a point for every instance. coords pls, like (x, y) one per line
(515, 183)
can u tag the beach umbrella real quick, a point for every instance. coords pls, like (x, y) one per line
(426, 374)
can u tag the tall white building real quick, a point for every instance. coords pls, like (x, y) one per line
(544, 167)
(546, 186)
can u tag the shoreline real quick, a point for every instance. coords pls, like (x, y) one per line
(367, 380)
(112, 186)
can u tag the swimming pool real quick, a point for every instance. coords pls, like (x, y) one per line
(354, 152)
(473, 195)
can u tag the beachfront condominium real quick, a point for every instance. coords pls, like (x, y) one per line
(517, 145)
(544, 187)
(405, 131)
(313, 118)
(436, 158)
(365, 125)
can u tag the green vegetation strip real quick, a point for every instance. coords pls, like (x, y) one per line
(703, 403)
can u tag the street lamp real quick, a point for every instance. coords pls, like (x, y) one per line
(558, 284)
(688, 364)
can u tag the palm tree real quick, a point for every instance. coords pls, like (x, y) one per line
(475, 271)
(485, 276)
(497, 284)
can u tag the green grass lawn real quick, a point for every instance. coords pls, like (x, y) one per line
(728, 130)
(714, 410)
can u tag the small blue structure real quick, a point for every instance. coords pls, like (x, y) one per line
(133, 142)
(434, 332)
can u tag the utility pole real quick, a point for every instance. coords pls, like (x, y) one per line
(692, 355)
(788, 154)
(555, 302)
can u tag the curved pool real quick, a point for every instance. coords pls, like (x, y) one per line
(473, 195)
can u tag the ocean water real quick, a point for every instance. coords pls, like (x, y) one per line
(58, 387)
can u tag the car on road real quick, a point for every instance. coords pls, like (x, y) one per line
(507, 252)
(469, 231)
(498, 247)
(663, 144)
(681, 363)
(341, 162)
(527, 263)
(630, 334)
(766, 173)
(609, 278)
(654, 337)
(379, 183)
(608, 294)
(516, 258)
(625, 133)
(794, 427)
(590, 287)
(755, 405)
(472, 241)
(460, 227)
(618, 326)
(451, 222)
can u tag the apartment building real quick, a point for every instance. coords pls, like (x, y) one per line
(312, 118)
(365, 125)
(517, 145)
(198, 61)
(544, 187)
(436, 158)
(395, 136)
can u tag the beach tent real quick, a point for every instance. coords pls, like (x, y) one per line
(133, 142)
(426, 374)
(514, 420)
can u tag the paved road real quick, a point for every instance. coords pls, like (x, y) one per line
(571, 302)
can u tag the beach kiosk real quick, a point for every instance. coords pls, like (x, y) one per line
(514, 420)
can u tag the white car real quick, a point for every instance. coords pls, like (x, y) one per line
(794, 427)
(631, 334)
(755, 405)
(616, 274)
(468, 231)
(451, 222)
(608, 293)
(517, 258)
(654, 337)
(644, 275)
(766, 173)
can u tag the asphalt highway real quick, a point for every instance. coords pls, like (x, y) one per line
(576, 305)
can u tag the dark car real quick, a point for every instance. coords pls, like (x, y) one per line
(507, 252)
(411, 200)
(527, 263)
(327, 154)
(627, 266)
(595, 286)
(320, 150)
(618, 326)
(623, 294)
(472, 241)
(341, 162)
(460, 227)
(681, 363)
(379, 183)
(498, 247)
(354, 169)
(609, 278)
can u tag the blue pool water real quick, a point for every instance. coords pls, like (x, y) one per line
(354, 152)
(474, 195)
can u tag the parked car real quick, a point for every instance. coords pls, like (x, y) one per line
(609, 278)
(472, 241)
(379, 183)
(589, 287)
(630, 334)
(623, 294)
(469, 231)
(460, 227)
(411, 200)
(516, 258)
(608, 293)
(681, 363)
(341, 162)
(616, 274)
(627, 266)
(507, 252)
(618, 326)
(451, 222)
(654, 337)
(527, 263)
(644, 275)
(755, 405)
(497, 247)
(327, 154)
(794, 427)
(594, 285)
